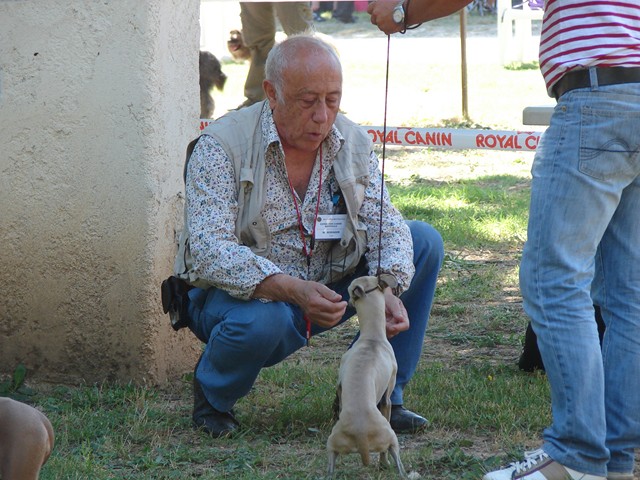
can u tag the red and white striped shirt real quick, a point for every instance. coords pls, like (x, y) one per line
(587, 33)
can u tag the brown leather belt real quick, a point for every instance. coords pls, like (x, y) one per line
(606, 76)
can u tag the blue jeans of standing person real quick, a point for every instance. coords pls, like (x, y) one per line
(583, 247)
(243, 336)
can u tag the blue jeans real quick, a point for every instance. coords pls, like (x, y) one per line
(583, 247)
(242, 336)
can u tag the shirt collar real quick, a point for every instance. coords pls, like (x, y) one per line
(269, 130)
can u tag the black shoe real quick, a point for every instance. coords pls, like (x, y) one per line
(344, 18)
(216, 424)
(405, 421)
(175, 300)
(206, 418)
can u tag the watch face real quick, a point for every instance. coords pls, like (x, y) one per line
(398, 14)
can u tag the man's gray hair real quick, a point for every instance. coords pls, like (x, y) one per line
(281, 55)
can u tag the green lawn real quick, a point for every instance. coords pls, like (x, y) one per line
(482, 409)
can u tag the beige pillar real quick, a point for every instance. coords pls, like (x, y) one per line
(98, 101)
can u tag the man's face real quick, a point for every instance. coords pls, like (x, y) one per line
(311, 102)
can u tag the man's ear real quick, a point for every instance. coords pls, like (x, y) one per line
(270, 92)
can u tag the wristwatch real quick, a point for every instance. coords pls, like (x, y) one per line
(398, 14)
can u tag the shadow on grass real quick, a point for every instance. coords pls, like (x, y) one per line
(487, 212)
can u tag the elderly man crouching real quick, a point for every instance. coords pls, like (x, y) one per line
(282, 212)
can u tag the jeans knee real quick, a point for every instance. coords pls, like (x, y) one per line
(428, 246)
(261, 328)
(527, 276)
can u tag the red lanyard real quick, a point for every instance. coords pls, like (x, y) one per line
(308, 253)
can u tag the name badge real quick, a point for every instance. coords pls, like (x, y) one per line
(330, 227)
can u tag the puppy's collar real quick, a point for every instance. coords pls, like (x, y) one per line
(377, 287)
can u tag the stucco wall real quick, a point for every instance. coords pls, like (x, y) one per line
(97, 103)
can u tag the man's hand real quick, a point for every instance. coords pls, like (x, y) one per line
(381, 12)
(415, 12)
(396, 314)
(321, 305)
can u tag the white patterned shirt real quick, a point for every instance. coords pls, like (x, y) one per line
(212, 209)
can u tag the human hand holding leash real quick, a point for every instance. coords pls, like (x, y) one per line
(321, 305)
(381, 12)
(415, 12)
(395, 313)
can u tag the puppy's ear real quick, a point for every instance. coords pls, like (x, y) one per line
(357, 292)
(387, 280)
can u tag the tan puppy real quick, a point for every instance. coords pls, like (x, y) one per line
(26, 440)
(366, 378)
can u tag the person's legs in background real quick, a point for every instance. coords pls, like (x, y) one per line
(294, 17)
(343, 11)
(577, 198)
(617, 286)
(316, 11)
(259, 32)
(324, 6)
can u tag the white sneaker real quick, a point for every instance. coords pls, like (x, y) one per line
(537, 465)
(620, 476)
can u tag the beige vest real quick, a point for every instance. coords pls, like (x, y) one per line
(240, 135)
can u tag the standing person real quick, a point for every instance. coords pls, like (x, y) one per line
(583, 241)
(259, 32)
(270, 275)
(343, 11)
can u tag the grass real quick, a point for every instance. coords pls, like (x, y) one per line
(470, 213)
(482, 409)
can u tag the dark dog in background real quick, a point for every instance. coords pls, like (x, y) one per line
(531, 360)
(211, 76)
(238, 50)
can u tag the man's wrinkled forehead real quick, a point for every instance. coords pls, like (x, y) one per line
(321, 68)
